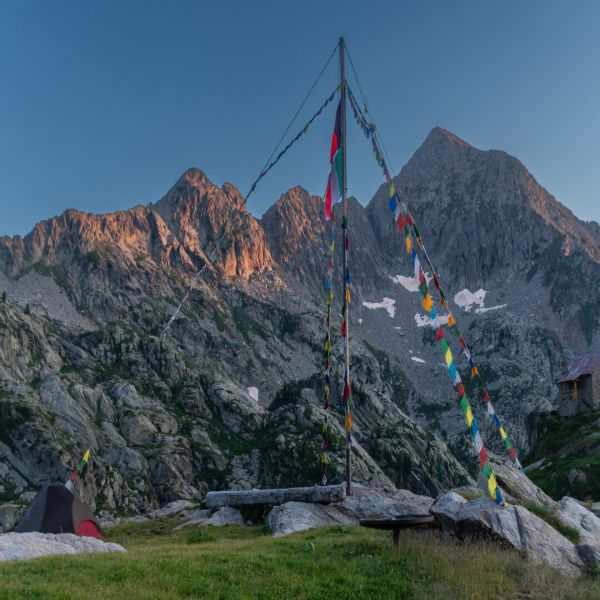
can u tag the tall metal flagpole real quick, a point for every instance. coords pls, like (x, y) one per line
(345, 275)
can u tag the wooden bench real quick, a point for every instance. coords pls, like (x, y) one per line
(399, 523)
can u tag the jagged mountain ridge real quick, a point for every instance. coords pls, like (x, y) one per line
(168, 417)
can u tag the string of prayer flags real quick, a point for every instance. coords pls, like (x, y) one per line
(302, 132)
(346, 304)
(474, 369)
(404, 221)
(328, 347)
(463, 399)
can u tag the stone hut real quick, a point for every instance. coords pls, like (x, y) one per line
(579, 386)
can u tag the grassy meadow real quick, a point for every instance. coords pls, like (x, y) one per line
(246, 562)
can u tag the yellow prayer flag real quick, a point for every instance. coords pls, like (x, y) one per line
(448, 357)
(469, 416)
(327, 346)
(348, 295)
(392, 189)
(492, 486)
(502, 433)
(451, 321)
(86, 456)
(408, 244)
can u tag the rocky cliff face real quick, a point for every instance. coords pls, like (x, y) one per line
(85, 361)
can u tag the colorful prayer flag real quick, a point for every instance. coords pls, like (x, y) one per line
(85, 459)
(333, 193)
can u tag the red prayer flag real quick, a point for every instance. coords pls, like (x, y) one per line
(346, 391)
(483, 457)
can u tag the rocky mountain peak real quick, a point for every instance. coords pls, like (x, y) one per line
(295, 221)
(206, 218)
(439, 136)
(465, 198)
(194, 177)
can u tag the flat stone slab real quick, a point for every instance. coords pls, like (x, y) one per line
(373, 504)
(19, 546)
(322, 494)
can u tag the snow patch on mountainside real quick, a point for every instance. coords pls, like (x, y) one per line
(410, 283)
(425, 321)
(386, 303)
(467, 299)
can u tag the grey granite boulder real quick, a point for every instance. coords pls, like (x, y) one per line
(15, 546)
(574, 514)
(292, 517)
(514, 525)
(228, 515)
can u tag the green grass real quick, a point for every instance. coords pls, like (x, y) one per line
(239, 563)
(567, 444)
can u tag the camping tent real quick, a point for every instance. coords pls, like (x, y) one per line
(56, 510)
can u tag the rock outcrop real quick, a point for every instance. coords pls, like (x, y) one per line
(514, 525)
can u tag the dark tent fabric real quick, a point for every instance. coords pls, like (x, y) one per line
(56, 510)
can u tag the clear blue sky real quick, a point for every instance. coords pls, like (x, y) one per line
(103, 104)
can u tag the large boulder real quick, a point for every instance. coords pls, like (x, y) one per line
(32, 545)
(573, 513)
(292, 517)
(228, 515)
(514, 525)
